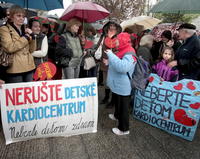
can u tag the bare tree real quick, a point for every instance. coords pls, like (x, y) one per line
(122, 9)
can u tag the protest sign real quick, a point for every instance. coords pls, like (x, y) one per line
(171, 106)
(49, 108)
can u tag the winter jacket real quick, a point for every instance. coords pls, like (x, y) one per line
(118, 80)
(17, 44)
(164, 71)
(103, 67)
(40, 55)
(69, 47)
(188, 58)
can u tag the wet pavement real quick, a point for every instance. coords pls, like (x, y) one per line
(143, 142)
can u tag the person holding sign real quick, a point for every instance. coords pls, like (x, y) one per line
(1, 82)
(161, 68)
(119, 65)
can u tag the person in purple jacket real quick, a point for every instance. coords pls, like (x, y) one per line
(162, 69)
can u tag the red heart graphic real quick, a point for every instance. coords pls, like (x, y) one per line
(151, 79)
(181, 117)
(191, 86)
(195, 106)
(178, 87)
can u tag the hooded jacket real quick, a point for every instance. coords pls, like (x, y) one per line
(164, 71)
(120, 64)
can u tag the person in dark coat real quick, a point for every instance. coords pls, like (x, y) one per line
(144, 48)
(111, 30)
(187, 57)
(157, 47)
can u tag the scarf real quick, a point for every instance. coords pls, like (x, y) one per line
(124, 45)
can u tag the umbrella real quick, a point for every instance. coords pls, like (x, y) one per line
(157, 30)
(86, 11)
(42, 4)
(29, 12)
(140, 23)
(177, 6)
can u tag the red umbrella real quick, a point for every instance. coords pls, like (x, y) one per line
(86, 11)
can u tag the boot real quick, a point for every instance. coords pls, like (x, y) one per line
(106, 98)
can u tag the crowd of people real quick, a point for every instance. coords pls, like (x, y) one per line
(34, 43)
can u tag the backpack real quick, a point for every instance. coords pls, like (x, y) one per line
(141, 73)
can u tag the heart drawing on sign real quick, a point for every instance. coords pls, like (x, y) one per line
(151, 79)
(181, 117)
(178, 87)
(195, 106)
(191, 86)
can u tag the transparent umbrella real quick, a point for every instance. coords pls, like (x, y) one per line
(177, 6)
(140, 23)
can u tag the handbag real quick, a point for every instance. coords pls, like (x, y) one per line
(6, 59)
(89, 62)
(98, 53)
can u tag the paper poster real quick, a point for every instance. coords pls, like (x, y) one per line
(49, 108)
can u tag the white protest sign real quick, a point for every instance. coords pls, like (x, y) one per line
(49, 108)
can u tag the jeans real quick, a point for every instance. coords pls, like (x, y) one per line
(88, 73)
(71, 72)
(20, 77)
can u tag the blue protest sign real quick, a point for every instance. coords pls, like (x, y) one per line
(171, 106)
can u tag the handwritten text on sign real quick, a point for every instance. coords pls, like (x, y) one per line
(171, 106)
(49, 108)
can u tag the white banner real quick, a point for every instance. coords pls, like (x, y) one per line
(49, 108)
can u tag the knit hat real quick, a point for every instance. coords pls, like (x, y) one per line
(167, 34)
